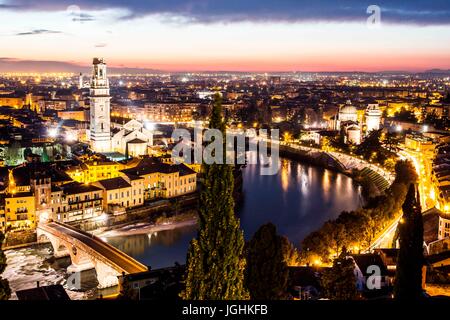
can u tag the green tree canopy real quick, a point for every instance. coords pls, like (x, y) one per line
(215, 261)
(266, 274)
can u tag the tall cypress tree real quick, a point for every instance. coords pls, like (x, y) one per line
(266, 275)
(5, 291)
(408, 279)
(215, 262)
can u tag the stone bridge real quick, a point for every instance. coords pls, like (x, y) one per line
(87, 251)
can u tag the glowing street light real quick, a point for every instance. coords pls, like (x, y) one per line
(149, 126)
(52, 132)
(71, 136)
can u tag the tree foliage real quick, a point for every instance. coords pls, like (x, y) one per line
(127, 292)
(408, 279)
(266, 274)
(359, 228)
(405, 115)
(291, 255)
(215, 261)
(5, 291)
(339, 282)
(372, 149)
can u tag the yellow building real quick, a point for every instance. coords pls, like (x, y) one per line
(93, 170)
(12, 101)
(2, 218)
(20, 211)
(79, 115)
(76, 201)
(120, 192)
(418, 142)
(164, 180)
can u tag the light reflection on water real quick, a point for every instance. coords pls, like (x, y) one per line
(298, 200)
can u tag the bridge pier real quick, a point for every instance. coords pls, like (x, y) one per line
(80, 265)
(106, 276)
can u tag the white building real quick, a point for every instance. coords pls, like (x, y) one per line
(133, 135)
(346, 113)
(373, 117)
(352, 133)
(80, 81)
(100, 123)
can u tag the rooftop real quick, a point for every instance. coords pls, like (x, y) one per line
(48, 293)
(114, 183)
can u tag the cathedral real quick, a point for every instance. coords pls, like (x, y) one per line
(131, 138)
(346, 121)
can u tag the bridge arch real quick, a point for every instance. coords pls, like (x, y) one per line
(88, 252)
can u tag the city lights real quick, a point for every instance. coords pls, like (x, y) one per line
(52, 132)
(203, 151)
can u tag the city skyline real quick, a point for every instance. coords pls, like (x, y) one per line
(265, 36)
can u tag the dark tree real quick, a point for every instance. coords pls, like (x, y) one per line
(405, 115)
(408, 279)
(339, 282)
(371, 148)
(447, 98)
(405, 172)
(266, 274)
(5, 291)
(215, 261)
(126, 290)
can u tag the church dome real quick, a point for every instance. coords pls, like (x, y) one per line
(348, 109)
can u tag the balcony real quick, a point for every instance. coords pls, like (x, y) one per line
(21, 217)
(85, 201)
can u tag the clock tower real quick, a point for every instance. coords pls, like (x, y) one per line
(100, 122)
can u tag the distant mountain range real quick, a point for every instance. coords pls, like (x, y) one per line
(12, 65)
(438, 71)
(16, 65)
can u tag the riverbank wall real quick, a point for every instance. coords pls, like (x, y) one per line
(157, 211)
(149, 214)
(372, 179)
(316, 158)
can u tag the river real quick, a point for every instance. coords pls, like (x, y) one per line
(298, 200)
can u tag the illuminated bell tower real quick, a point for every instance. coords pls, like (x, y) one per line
(100, 124)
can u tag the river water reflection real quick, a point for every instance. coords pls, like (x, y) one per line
(298, 200)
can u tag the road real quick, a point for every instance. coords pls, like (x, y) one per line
(423, 167)
(386, 238)
(421, 163)
(105, 250)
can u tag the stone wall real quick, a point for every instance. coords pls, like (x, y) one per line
(15, 239)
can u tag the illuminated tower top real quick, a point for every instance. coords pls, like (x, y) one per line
(99, 79)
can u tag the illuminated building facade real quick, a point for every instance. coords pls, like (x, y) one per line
(373, 117)
(94, 170)
(100, 123)
(132, 138)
